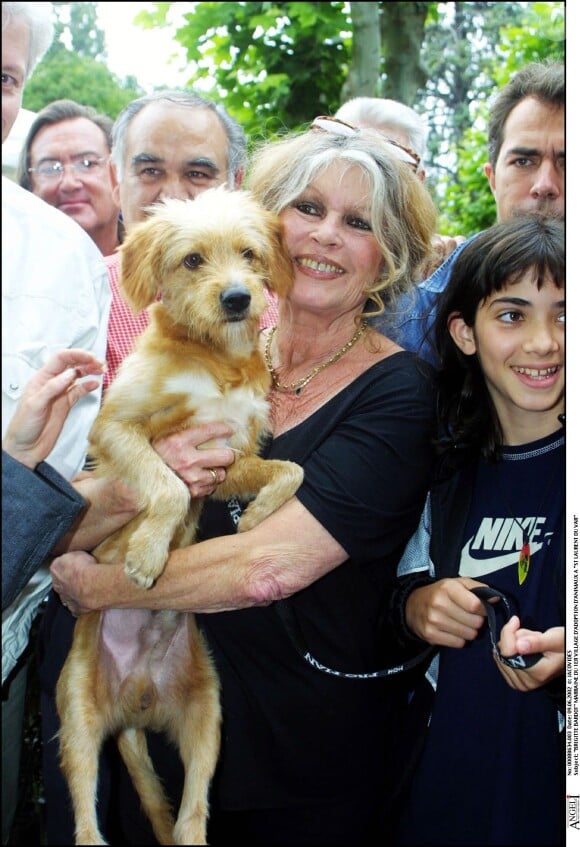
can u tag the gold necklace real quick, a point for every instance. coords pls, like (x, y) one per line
(299, 385)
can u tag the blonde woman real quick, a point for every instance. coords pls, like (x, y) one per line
(292, 609)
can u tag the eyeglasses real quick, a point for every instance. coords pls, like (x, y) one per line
(326, 123)
(52, 170)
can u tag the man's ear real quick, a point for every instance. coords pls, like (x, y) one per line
(115, 183)
(238, 179)
(490, 174)
(462, 334)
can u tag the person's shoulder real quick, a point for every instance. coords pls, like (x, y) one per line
(407, 363)
(31, 213)
(402, 375)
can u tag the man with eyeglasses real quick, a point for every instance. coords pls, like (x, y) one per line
(65, 161)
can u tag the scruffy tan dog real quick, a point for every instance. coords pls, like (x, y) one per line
(198, 361)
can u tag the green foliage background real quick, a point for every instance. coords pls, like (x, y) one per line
(277, 65)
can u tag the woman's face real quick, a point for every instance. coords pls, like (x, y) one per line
(327, 230)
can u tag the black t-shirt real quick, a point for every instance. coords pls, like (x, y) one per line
(293, 735)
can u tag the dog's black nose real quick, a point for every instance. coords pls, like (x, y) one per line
(235, 300)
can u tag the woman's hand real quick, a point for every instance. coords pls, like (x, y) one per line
(445, 613)
(199, 456)
(45, 403)
(550, 643)
(73, 577)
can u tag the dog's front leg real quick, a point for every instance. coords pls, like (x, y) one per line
(270, 481)
(123, 451)
(166, 510)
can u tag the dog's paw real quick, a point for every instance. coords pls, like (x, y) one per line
(136, 575)
(286, 478)
(144, 566)
(190, 831)
(250, 519)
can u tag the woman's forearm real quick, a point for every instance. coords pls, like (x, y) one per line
(231, 572)
(186, 584)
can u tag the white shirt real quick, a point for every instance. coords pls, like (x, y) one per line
(55, 295)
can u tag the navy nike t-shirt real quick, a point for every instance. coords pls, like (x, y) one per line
(492, 769)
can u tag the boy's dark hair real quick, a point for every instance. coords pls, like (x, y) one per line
(543, 80)
(498, 256)
(55, 113)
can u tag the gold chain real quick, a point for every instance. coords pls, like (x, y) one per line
(299, 385)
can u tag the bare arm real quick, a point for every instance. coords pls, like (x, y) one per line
(111, 504)
(287, 552)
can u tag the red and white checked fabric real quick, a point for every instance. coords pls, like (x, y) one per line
(270, 314)
(124, 326)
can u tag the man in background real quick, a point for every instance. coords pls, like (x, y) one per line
(65, 162)
(394, 119)
(526, 174)
(167, 145)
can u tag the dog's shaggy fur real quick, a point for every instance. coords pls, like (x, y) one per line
(198, 361)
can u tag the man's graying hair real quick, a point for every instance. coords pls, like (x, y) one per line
(38, 18)
(544, 81)
(381, 110)
(237, 146)
(56, 113)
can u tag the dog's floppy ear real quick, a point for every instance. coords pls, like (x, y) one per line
(280, 268)
(142, 254)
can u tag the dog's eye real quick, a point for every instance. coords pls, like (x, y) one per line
(248, 254)
(193, 261)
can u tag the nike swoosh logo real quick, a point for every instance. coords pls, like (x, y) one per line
(476, 568)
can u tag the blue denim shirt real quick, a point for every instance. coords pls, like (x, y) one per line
(410, 321)
(38, 507)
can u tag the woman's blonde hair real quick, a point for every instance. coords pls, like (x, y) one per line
(403, 216)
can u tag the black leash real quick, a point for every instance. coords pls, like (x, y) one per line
(292, 624)
(486, 595)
